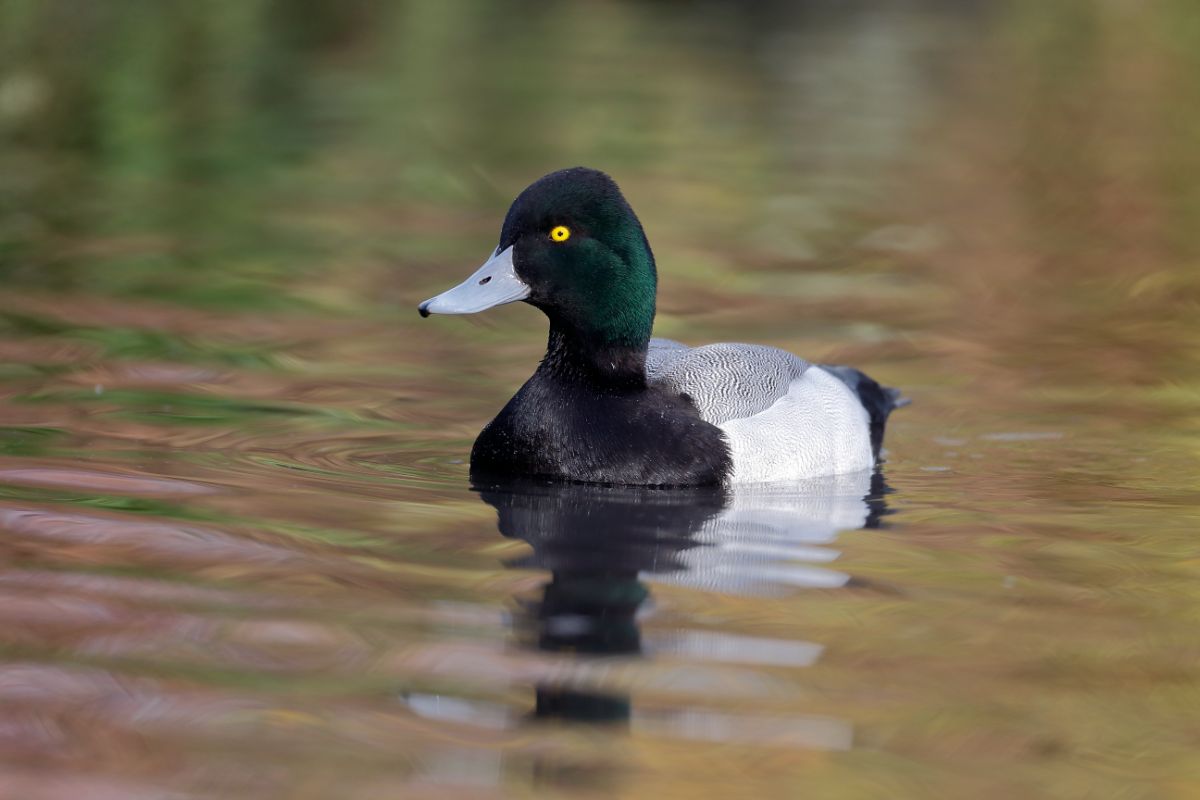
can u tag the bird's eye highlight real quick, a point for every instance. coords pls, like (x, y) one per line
(560, 233)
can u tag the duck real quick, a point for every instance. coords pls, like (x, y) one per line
(611, 404)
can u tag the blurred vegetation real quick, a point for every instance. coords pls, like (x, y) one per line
(211, 212)
(228, 153)
(259, 155)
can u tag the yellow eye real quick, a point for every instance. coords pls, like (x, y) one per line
(560, 233)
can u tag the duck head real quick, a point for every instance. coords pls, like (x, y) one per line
(571, 246)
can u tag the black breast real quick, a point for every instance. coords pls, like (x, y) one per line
(559, 429)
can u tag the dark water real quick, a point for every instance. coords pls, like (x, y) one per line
(239, 554)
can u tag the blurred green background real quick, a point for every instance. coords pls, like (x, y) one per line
(255, 153)
(216, 220)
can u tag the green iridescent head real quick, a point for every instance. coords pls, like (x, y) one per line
(571, 246)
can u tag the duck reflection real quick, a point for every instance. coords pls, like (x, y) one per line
(596, 542)
(601, 545)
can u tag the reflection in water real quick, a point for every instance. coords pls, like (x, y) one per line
(231, 519)
(596, 541)
(599, 543)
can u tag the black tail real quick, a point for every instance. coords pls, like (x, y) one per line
(879, 401)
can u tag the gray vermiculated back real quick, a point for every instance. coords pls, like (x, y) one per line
(726, 380)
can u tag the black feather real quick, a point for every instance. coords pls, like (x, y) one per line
(879, 401)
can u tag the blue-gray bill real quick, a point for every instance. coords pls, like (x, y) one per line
(493, 284)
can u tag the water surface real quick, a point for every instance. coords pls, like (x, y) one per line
(239, 552)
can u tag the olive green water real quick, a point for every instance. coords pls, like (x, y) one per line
(239, 556)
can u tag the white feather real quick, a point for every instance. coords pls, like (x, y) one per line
(725, 380)
(784, 418)
(817, 428)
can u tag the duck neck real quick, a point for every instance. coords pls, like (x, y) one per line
(605, 366)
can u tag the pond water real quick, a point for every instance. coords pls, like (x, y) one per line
(239, 552)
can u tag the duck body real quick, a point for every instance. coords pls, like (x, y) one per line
(571, 421)
(608, 404)
(782, 417)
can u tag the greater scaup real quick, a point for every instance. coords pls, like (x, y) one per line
(609, 404)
